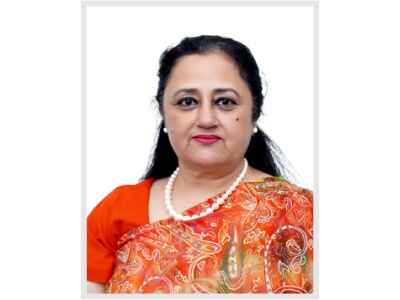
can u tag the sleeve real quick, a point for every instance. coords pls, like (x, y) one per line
(101, 242)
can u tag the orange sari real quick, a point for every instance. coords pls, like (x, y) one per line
(259, 241)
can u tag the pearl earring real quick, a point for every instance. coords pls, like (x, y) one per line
(255, 129)
(165, 130)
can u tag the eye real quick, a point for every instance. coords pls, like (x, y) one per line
(187, 102)
(226, 103)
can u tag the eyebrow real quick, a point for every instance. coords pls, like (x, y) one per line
(218, 90)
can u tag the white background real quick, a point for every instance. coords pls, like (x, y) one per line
(122, 63)
(40, 215)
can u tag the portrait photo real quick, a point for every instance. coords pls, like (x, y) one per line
(199, 148)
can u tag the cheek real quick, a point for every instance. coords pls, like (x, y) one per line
(175, 120)
(179, 126)
(239, 128)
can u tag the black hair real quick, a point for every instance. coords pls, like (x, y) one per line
(262, 153)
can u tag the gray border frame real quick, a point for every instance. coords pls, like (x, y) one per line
(315, 6)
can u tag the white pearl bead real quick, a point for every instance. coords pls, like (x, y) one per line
(220, 201)
(214, 206)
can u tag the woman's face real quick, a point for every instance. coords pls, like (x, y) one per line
(207, 110)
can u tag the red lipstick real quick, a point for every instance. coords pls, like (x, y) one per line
(206, 139)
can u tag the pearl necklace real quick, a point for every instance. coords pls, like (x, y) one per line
(220, 200)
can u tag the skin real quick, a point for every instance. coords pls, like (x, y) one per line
(205, 94)
(207, 111)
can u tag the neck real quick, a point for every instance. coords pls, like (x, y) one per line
(207, 180)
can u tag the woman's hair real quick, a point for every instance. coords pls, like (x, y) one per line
(262, 153)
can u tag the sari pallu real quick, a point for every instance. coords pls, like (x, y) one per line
(259, 241)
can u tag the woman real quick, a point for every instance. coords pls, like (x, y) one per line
(212, 214)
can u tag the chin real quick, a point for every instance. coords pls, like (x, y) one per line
(207, 160)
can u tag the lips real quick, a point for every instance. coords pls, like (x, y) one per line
(206, 139)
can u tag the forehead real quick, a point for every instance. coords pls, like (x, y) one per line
(211, 69)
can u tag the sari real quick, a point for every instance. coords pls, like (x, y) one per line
(258, 241)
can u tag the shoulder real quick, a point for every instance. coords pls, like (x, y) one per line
(279, 186)
(124, 202)
(292, 203)
(287, 204)
(127, 192)
(141, 187)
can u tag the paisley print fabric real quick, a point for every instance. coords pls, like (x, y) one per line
(259, 241)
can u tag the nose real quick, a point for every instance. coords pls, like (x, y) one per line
(206, 117)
